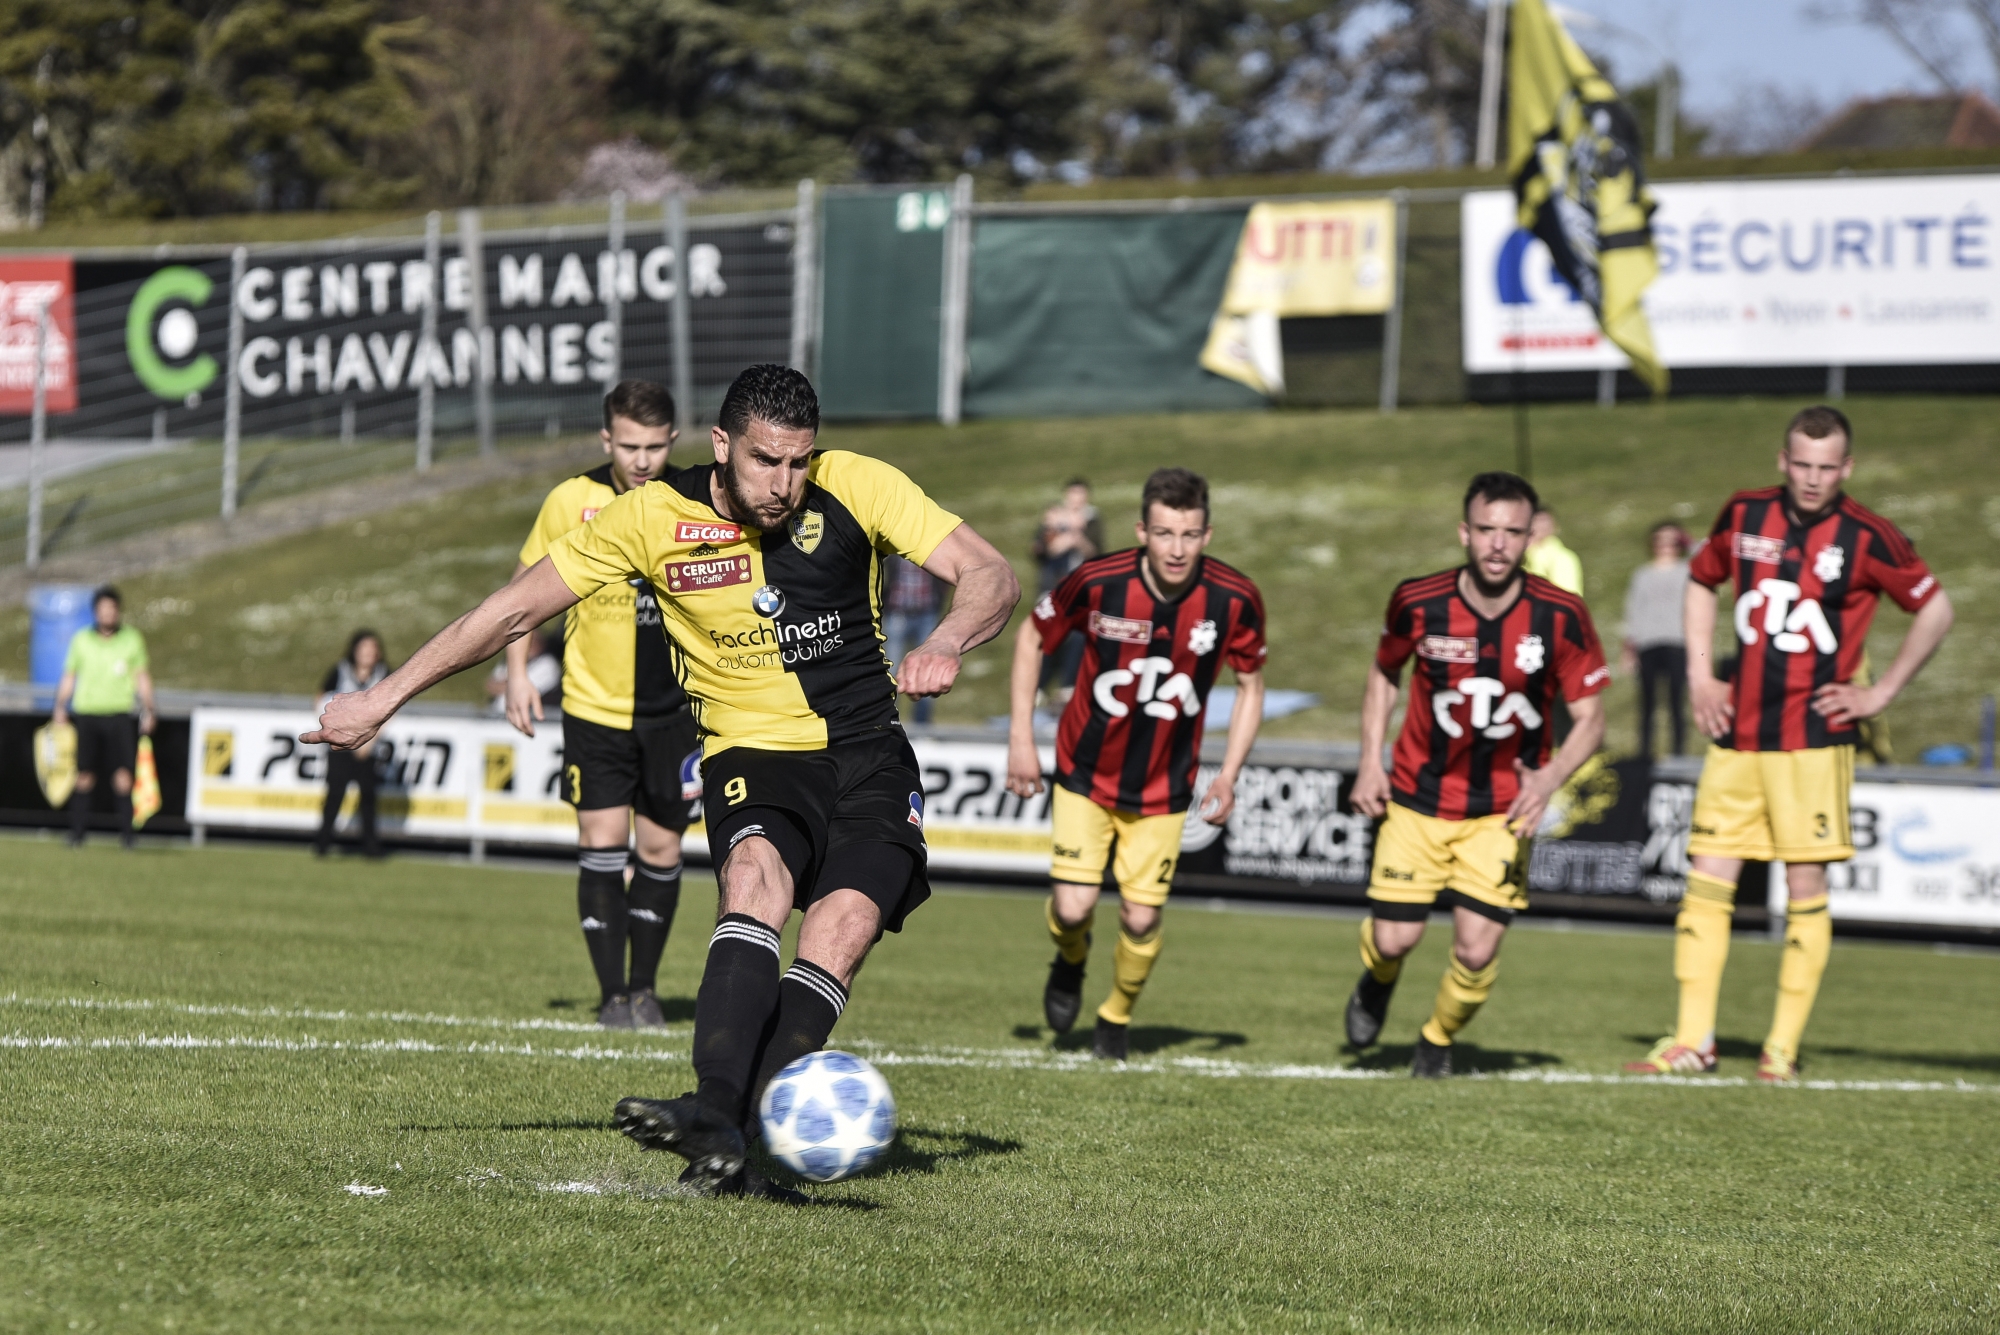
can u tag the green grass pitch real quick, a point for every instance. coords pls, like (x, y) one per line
(204, 1050)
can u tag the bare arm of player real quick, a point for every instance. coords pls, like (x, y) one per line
(1714, 711)
(524, 702)
(1841, 703)
(1024, 766)
(510, 612)
(1371, 784)
(984, 597)
(1539, 785)
(1245, 717)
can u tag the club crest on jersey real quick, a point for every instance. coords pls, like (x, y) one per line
(1045, 610)
(1201, 638)
(917, 810)
(1764, 551)
(693, 576)
(696, 530)
(1123, 629)
(1449, 648)
(807, 529)
(1832, 559)
(768, 601)
(1528, 654)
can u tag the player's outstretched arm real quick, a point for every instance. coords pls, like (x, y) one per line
(1842, 703)
(1586, 734)
(1245, 717)
(1378, 701)
(525, 602)
(986, 591)
(1024, 765)
(1709, 697)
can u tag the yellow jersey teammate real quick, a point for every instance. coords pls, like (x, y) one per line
(767, 567)
(628, 736)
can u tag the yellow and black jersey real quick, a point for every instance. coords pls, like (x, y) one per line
(617, 666)
(776, 636)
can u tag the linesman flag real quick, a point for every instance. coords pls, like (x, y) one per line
(1573, 153)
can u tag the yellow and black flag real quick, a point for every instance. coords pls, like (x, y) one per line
(1573, 153)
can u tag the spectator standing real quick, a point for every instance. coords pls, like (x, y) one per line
(1655, 641)
(363, 665)
(105, 671)
(1549, 557)
(911, 613)
(1071, 532)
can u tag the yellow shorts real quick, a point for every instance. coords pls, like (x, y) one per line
(1782, 806)
(1419, 859)
(1148, 847)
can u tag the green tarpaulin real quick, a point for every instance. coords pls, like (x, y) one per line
(884, 257)
(1096, 314)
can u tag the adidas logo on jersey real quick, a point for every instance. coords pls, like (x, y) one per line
(1484, 718)
(706, 549)
(1795, 625)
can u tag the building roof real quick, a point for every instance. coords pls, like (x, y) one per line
(1957, 120)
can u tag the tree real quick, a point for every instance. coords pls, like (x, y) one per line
(173, 107)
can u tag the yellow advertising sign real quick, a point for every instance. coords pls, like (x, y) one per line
(1336, 257)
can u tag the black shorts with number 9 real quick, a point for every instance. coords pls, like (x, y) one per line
(848, 817)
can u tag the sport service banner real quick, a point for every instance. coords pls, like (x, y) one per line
(28, 286)
(1334, 258)
(1758, 273)
(1573, 154)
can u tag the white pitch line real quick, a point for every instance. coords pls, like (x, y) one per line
(427, 1018)
(990, 1059)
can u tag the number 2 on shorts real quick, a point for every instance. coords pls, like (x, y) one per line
(736, 790)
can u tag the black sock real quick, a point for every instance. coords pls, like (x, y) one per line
(121, 810)
(810, 1001)
(650, 902)
(600, 906)
(734, 1010)
(79, 814)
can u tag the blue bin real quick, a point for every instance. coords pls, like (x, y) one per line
(56, 612)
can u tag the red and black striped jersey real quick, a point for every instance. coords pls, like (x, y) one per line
(1484, 689)
(1805, 597)
(1130, 738)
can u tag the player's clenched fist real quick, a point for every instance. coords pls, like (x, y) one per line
(349, 721)
(927, 671)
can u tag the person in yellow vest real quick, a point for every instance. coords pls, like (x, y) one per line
(105, 671)
(1549, 557)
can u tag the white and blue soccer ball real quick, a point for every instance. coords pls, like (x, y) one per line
(827, 1116)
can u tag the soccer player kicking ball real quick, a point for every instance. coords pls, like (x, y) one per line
(626, 725)
(1159, 622)
(765, 564)
(1809, 566)
(1494, 648)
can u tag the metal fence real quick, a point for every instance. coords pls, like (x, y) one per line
(261, 371)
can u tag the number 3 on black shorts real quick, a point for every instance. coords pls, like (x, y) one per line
(736, 790)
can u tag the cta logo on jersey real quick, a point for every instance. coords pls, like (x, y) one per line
(1484, 719)
(1125, 630)
(1159, 699)
(1795, 625)
(807, 529)
(694, 576)
(695, 530)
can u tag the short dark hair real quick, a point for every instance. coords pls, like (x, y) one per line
(1499, 486)
(1078, 481)
(1680, 535)
(354, 642)
(1175, 488)
(104, 591)
(769, 393)
(643, 401)
(1818, 422)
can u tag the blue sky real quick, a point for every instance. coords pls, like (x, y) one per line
(1727, 46)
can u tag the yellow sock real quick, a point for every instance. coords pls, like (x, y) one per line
(1459, 998)
(1134, 962)
(1701, 948)
(1385, 970)
(1073, 942)
(1808, 941)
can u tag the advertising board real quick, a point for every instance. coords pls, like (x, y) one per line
(28, 286)
(1903, 270)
